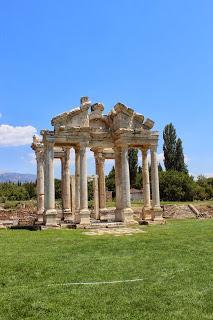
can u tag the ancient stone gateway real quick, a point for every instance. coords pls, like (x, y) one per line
(109, 137)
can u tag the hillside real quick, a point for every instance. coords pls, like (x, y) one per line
(17, 177)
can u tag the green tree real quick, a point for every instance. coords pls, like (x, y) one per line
(110, 180)
(169, 146)
(139, 179)
(179, 157)
(90, 190)
(160, 168)
(176, 186)
(133, 166)
(30, 187)
(58, 189)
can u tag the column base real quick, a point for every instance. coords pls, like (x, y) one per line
(51, 217)
(145, 212)
(40, 216)
(102, 213)
(84, 217)
(67, 215)
(77, 218)
(124, 215)
(156, 213)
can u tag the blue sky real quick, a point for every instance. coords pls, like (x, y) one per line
(155, 56)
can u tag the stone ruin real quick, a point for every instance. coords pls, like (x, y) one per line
(108, 137)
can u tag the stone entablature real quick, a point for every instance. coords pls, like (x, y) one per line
(109, 137)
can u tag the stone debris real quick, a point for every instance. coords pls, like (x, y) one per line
(114, 231)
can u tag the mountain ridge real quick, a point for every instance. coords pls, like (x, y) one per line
(17, 177)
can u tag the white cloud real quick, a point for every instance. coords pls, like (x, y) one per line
(32, 158)
(16, 136)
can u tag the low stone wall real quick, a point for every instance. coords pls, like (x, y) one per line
(205, 211)
(177, 212)
(10, 216)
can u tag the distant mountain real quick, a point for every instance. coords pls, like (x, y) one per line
(17, 177)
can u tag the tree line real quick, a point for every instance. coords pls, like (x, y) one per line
(176, 184)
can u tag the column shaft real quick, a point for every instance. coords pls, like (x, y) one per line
(77, 178)
(118, 175)
(40, 184)
(101, 180)
(123, 202)
(84, 212)
(66, 184)
(126, 200)
(96, 198)
(73, 202)
(146, 183)
(50, 211)
(155, 179)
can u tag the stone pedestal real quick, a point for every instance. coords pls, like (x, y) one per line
(49, 186)
(84, 211)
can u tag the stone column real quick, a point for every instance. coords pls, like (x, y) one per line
(60, 214)
(100, 160)
(77, 184)
(72, 180)
(40, 184)
(96, 198)
(146, 183)
(49, 186)
(66, 184)
(126, 212)
(84, 211)
(126, 201)
(118, 183)
(155, 184)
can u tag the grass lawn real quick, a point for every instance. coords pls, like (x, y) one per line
(174, 261)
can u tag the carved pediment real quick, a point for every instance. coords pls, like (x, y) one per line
(122, 117)
(78, 117)
(99, 123)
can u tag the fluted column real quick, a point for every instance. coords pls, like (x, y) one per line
(77, 184)
(40, 184)
(126, 201)
(96, 198)
(84, 212)
(155, 181)
(72, 184)
(118, 182)
(146, 182)
(50, 212)
(66, 184)
(100, 161)
(125, 212)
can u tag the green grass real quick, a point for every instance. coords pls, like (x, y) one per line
(174, 261)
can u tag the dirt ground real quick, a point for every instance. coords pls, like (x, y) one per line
(169, 211)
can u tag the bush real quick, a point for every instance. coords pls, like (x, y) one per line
(176, 186)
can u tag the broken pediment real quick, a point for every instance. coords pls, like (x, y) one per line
(91, 117)
(78, 117)
(122, 117)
